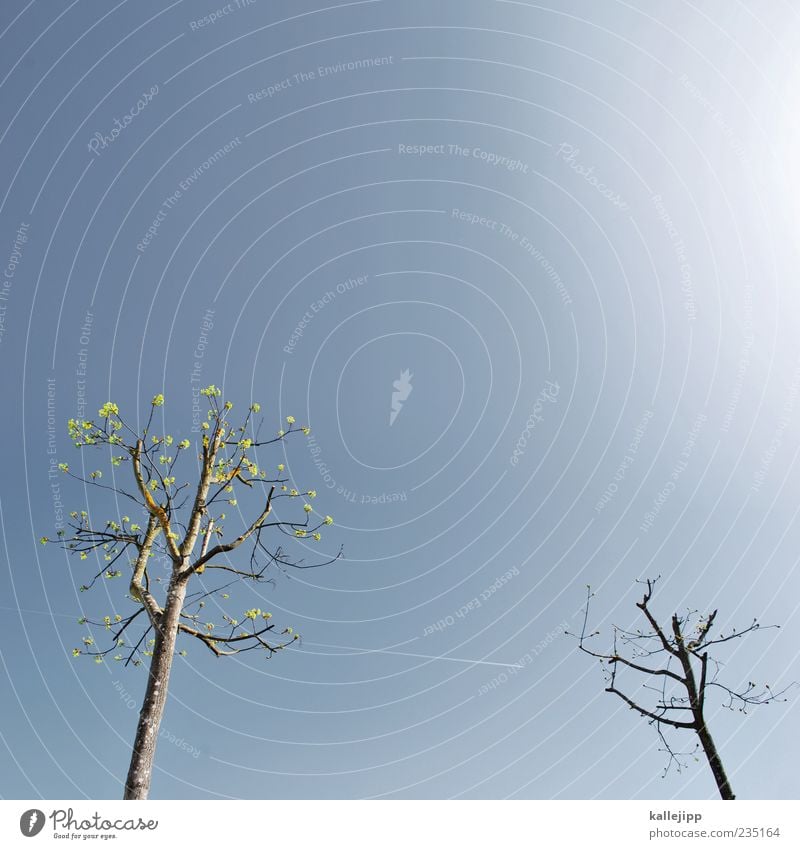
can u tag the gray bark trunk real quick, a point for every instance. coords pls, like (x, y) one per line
(137, 784)
(714, 761)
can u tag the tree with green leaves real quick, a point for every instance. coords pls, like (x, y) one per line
(184, 525)
(681, 672)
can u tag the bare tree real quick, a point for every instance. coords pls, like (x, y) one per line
(677, 659)
(182, 525)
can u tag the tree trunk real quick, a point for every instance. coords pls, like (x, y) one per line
(714, 761)
(137, 784)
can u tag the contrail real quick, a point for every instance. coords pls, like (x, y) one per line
(423, 656)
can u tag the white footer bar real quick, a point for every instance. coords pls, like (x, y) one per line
(403, 824)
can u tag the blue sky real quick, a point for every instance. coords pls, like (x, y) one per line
(570, 224)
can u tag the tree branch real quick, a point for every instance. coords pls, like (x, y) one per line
(138, 588)
(642, 605)
(152, 507)
(669, 673)
(660, 719)
(223, 548)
